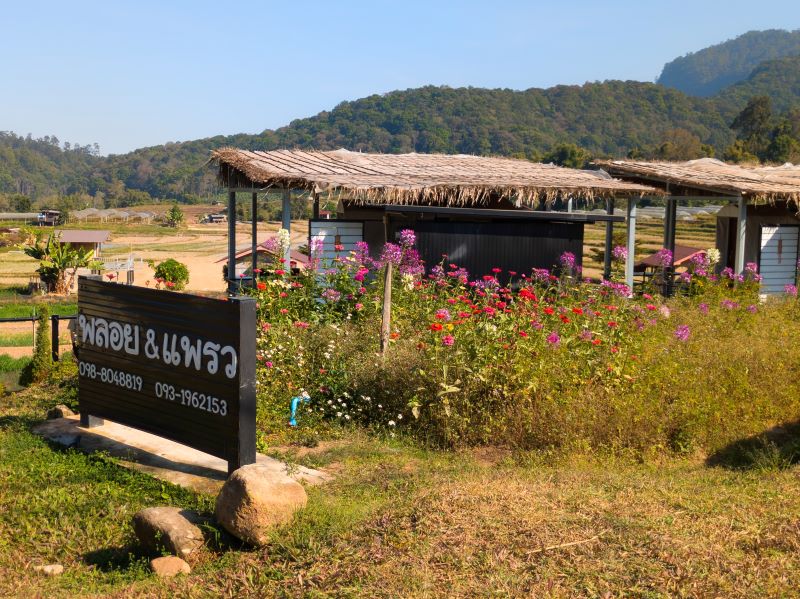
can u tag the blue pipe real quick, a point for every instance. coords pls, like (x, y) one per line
(296, 401)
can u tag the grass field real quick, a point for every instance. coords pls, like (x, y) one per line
(400, 520)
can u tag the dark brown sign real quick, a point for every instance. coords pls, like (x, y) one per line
(176, 365)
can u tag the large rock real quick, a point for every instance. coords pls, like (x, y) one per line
(169, 528)
(60, 411)
(256, 499)
(169, 566)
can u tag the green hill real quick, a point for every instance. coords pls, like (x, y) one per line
(708, 71)
(610, 118)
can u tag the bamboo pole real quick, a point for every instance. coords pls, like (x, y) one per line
(386, 317)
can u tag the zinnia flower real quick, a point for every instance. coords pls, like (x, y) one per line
(682, 332)
(554, 338)
(448, 340)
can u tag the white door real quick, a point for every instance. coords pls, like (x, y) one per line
(336, 232)
(778, 265)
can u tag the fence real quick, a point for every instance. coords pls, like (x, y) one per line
(55, 321)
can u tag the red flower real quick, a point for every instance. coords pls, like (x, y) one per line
(496, 270)
(111, 276)
(563, 318)
(577, 310)
(170, 284)
(436, 326)
(338, 247)
(612, 323)
(596, 341)
(548, 310)
(261, 286)
(280, 272)
(523, 334)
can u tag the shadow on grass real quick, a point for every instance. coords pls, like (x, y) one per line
(775, 449)
(110, 559)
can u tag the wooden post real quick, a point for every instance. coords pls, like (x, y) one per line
(286, 219)
(254, 234)
(670, 225)
(609, 240)
(54, 336)
(386, 316)
(231, 241)
(741, 235)
(315, 214)
(631, 243)
(244, 451)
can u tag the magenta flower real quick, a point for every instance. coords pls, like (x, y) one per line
(554, 338)
(790, 290)
(448, 340)
(703, 308)
(619, 253)
(682, 333)
(664, 257)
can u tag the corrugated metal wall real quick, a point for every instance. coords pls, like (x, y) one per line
(479, 247)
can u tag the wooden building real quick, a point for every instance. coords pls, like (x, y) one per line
(478, 210)
(84, 239)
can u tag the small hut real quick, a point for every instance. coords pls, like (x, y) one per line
(760, 224)
(480, 211)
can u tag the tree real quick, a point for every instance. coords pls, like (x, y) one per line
(175, 216)
(57, 260)
(42, 360)
(172, 273)
(754, 124)
(568, 155)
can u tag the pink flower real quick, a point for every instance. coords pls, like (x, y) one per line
(448, 340)
(359, 306)
(301, 325)
(554, 338)
(268, 364)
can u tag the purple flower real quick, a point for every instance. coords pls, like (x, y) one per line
(567, 261)
(729, 304)
(790, 290)
(407, 238)
(392, 253)
(752, 309)
(585, 335)
(553, 338)
(541, 275)
(703, 308)
(682, 332)
(664, 257)
(619, 253)
(331, 295)
(442, 314)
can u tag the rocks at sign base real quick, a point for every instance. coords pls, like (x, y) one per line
(169, 566)
(170, 528)
(255, 499)
(50, 569)
(60, 411)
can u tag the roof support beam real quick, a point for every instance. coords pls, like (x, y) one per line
(609, 240)
(741, 235)
(286, 218)
(254, 240)
(631, 244)
(231, 241)
(670, 225)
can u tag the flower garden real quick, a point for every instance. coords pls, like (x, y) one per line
(537, 360)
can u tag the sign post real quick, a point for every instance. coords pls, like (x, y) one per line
(176, 365)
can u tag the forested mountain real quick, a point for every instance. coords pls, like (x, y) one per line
(706, 72)
(564, 124)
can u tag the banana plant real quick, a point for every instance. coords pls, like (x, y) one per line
(57, 260)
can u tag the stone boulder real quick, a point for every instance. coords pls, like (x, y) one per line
(50, 569)
(60, 411)
(170, 528)
(169, 566)
(256, 499)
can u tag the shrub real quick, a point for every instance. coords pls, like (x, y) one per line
(42, 361)
(528, 360)
(172, 274)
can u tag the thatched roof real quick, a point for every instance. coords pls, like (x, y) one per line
(710, 176)
(449, 180)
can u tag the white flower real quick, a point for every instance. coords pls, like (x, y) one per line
(391, 423)
(338, 414)
(399, 416)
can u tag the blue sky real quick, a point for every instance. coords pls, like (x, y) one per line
(133, 74)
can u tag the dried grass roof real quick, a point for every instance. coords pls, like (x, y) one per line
(758, 183)
(450, 180)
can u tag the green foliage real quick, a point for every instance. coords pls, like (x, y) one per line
(174, 216)
(568, 155)
(708, 71)
(764, 136)
(172, 274)
(42, 361)
(57, 260)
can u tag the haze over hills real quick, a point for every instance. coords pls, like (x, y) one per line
(706, 72)
(611, 118)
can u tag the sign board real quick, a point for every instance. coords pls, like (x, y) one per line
(176, 365)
